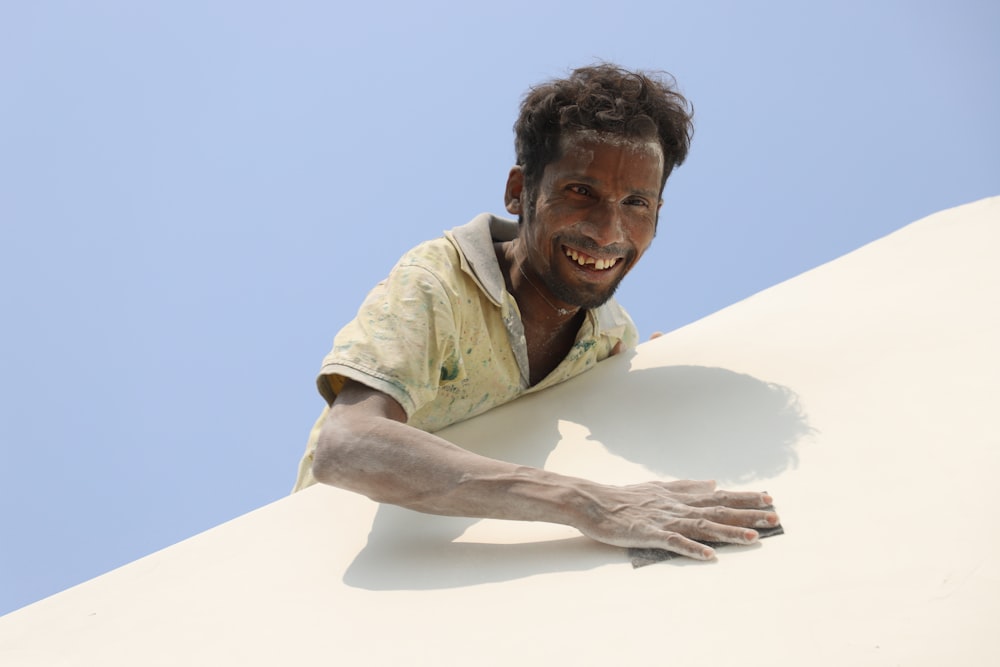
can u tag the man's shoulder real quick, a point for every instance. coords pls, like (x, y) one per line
(461, 260)
(431, 254)
(472, 241)
(482, 232)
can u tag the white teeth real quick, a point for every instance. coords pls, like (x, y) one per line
(583, 260)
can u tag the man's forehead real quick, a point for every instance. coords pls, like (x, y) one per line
(582, 143)
(581, 147)
(576, 137)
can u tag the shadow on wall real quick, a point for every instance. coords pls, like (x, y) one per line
(687, 422)
(684, 422)
(697, 422)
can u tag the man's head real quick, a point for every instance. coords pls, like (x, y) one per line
(593, 151)
(604, 99)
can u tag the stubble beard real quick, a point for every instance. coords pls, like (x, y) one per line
(579, 297)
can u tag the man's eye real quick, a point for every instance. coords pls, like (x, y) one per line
(580, 190)
(636, 201)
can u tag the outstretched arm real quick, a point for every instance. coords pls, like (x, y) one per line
(366, 446)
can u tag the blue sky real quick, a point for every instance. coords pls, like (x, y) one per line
(195, 196)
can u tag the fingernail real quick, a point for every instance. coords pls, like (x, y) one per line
(768, 521)
(751, 536)
(766, 498)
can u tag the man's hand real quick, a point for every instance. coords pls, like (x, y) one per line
(675, 516)
(619, 348)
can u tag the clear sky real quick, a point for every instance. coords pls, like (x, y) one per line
(196, 195)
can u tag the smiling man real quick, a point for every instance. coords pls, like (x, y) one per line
(496, 309)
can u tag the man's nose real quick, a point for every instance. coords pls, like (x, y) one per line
(606, 224)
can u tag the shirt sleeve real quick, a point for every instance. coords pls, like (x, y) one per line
(401, 343)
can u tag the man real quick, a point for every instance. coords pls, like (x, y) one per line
(497, 309)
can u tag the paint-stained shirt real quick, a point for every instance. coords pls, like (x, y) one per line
(444, 338)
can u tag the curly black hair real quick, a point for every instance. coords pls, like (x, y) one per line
(602, 98)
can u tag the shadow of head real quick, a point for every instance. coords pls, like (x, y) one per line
(695, 422)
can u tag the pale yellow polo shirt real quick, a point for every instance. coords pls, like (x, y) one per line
(443, 336)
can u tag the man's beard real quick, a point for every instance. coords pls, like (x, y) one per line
(579, 297)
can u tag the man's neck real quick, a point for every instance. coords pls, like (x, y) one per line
(549, 331)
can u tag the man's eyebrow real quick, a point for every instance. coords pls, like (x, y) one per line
(650, 194)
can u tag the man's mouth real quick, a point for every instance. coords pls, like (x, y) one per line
(584, 260)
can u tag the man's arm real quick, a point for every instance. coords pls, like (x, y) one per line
(366, 446)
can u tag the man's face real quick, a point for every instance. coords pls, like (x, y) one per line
(594, 217)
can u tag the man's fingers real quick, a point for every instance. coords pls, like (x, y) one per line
(736, 499)
(686, 547)
(705, 530)
(738, 517)
(685, 537)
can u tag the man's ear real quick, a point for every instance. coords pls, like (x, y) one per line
(514, 190)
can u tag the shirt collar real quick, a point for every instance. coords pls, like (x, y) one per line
(474, 241)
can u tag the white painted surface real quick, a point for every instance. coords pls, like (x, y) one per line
(863, 395)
